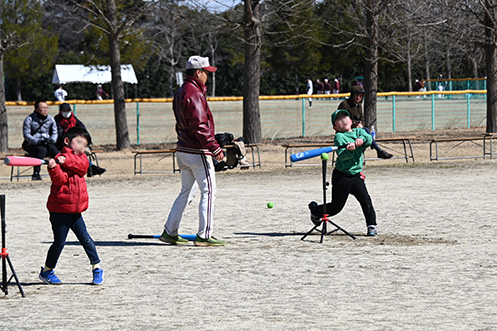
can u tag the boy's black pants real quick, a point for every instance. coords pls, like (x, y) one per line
(344, 184)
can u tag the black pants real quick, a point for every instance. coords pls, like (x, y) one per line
(41, 151)
(374, 145)
(61, 224)
(342, 185)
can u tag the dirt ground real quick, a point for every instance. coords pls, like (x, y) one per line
(432, 266)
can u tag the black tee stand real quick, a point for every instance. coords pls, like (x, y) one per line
(325, 220)
(5, 256)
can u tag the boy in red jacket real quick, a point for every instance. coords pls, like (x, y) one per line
(67, 200)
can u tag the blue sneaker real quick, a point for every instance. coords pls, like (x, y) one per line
(49, 277)
(98, 276)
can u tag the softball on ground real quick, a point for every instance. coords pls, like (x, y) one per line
(270, 205)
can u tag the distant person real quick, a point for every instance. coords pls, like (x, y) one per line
(319, 87)
(65, 120)
(100, 93)
(327, 86)
(309, 91)
(336, 86)
(354, 106)
(40, 135)
(194, 150)
(60, 94)
(418, 86)
(67, 200)
(440, 88)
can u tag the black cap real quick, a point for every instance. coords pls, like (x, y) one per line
(64, 107)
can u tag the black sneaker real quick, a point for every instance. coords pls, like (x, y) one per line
(384, 155)
(95, 170)
(36, 177)
(312, 207)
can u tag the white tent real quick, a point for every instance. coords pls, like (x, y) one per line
(78, 73)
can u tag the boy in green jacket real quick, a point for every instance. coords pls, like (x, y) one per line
(347, 177)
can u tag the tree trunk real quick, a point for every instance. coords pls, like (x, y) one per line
(427, 64)
(18, 89)
(122, 134)
(371, 69)
(491, 64)
(4, 124)
(252, 130)
(297, 83)
(409, 64)
(213, 63)
(448, 63)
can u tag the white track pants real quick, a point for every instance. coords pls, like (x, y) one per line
(197, 172)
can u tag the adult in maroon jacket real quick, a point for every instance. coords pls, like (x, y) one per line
(195, 148)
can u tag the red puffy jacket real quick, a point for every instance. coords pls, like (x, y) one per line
(68, 193)
(194, 121)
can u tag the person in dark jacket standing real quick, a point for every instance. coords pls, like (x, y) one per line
(40, 135)
(354, 106)
(195, 147)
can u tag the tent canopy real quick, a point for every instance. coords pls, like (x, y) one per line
(78, 73)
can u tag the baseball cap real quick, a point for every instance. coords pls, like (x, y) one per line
(199, 62)
(336, 113)
(64, 107)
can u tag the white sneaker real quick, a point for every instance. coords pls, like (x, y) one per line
(372, 231)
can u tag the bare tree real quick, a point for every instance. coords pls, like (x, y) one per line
(481, 16)
(411, 20)
(7, 42)
(251, 16)
(114, 20)
(168, 27)
(488, 17)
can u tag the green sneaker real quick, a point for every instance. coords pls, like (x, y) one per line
(208, 242)
(174, 240)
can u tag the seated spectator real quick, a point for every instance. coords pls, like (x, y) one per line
(354, 106)
(40, 134)
(66, 120)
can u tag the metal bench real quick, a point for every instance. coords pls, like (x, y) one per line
(253, 148)
(290, 147)
(489, 137)
(139, 156)
(434, 144)
(406, 153)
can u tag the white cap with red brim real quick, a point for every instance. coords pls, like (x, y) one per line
(199, 62)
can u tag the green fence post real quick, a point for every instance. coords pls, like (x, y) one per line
(393, 113)
(303, 117)
(468, 96)
(74, 109)
(433, 112)
(138, 123)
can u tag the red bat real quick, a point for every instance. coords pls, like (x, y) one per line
(23, 161)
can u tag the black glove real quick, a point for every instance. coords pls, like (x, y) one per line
(50, 141)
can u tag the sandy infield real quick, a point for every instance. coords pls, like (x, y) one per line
(432, 267)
